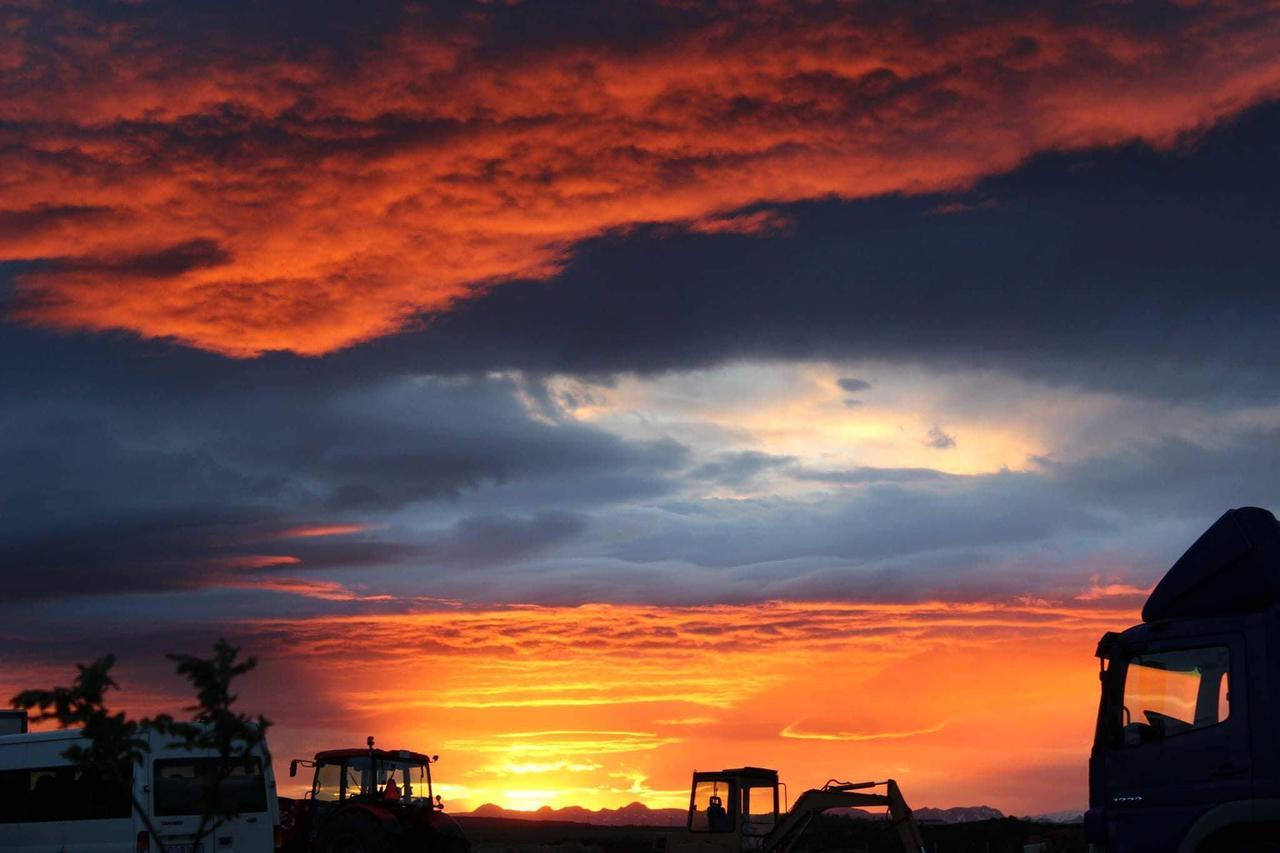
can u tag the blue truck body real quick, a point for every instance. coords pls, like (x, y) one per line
(1186, 754)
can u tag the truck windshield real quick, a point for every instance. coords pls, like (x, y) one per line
(1168, 693)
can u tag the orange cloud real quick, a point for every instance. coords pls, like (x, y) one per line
(234, 198)
(319, 590)
(1098, 591)
(318, 530)
(964, 703)
(792, 732)
(257, 561)
(600, 705)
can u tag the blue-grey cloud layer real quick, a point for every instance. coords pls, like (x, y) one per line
(133, 467)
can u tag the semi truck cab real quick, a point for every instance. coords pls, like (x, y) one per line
(1186, 753)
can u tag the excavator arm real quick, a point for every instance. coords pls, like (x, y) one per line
(835, 795)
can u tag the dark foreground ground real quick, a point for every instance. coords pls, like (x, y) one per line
(834, 834)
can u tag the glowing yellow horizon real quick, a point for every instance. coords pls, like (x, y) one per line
(603, 705)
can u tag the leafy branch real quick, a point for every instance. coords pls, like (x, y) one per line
(112, 743)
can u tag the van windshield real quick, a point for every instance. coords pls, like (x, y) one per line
(182, 785)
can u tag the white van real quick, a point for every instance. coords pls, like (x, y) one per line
(48, 806)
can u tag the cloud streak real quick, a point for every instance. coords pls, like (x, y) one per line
(793, 731)
(240, 196)
(670, 688)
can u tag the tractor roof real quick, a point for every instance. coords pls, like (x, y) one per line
(387, 754)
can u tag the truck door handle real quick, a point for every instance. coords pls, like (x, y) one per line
(1228, 770)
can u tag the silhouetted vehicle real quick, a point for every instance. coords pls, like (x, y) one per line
(369, 801)
(731, 811)
(13, 722)
(48, 805)
(1186, 755)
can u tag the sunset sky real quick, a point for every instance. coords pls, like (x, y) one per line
(589, 392)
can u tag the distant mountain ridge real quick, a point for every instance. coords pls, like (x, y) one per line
(632, 814)
(638, 814)
(955, 814)
(1064, 816)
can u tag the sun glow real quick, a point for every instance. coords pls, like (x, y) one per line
(799, 412)
(603, 705)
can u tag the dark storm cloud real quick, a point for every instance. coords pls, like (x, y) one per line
(857, 476)
(145, 466)
(1143, 273)
(1148, 274)
(195, 549)
(909, 534)
(492, 540)
(853, 385)
(42, 219)
(938, 439)
(735, 469)
(284, 179)
(162, 263)
(174, 486)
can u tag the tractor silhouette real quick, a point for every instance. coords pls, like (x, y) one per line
(369, 801)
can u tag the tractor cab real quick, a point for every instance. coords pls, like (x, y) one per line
(731, 810)
(370, 774)
(369, 799)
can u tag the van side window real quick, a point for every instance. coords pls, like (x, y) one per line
(180, 785)
(13, 795)
(1173, 692)
(43, 794)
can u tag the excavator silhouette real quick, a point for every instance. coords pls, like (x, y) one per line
(736, 810)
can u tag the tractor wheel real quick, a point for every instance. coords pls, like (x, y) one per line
(356, 833)
(449, 844)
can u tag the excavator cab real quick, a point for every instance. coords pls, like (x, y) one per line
(731, 810)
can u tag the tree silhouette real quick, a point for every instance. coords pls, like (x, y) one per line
(112, 743)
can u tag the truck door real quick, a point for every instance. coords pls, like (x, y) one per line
(1184, 743)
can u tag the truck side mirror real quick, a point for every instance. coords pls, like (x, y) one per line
(293, 768)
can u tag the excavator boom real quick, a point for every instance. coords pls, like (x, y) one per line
(836, 795)
(736, 811)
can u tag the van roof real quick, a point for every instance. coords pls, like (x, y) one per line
(41, 737)
(72, 734)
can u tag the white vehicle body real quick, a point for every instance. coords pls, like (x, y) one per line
(48, 806)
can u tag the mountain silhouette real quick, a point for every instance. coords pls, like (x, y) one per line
(638, 814)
